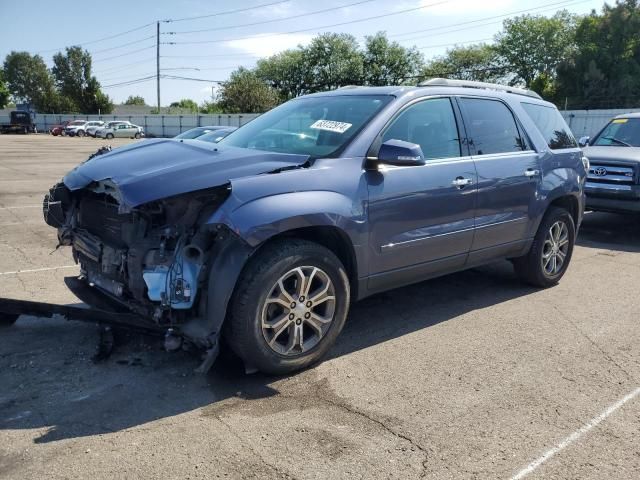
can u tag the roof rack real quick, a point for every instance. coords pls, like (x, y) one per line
(444, 82)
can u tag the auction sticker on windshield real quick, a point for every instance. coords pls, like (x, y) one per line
(331, 126)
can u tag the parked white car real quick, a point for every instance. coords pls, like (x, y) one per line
(111, 124)
(121, 130)
(92, 127)
(78, 128)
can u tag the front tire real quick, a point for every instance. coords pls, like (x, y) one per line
(80, 133)
(551, 251)
(290, 305)
(109, 136)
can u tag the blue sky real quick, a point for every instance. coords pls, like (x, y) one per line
(227, 42)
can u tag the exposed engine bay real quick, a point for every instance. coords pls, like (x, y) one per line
(150, 258)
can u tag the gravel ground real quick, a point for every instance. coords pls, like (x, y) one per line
(468, 376)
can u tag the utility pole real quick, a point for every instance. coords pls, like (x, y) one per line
(158, 62)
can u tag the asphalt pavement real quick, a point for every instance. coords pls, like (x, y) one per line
(470, 376)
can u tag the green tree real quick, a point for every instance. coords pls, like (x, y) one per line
(185, 104)
(534, 46)
(4, 91)
(210, 107)
(29, 80)
(389, 63)
(478, 62)
(334, 60)
(72, 73)
(288, 72)
(604, 71)
(135, 100)
(245, 92)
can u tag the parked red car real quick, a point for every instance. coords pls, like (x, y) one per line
(59, 129)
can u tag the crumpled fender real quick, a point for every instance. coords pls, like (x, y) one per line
(258, 220)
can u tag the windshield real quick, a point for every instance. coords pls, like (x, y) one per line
(77, 122)
(315, 126)
(214, 136)
(193, 133)
(621, 132)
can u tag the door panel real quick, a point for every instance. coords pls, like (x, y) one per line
(506, 197)
(422, 215)
(508, 174)
(416, 215)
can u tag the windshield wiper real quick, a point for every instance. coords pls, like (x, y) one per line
(618, 141)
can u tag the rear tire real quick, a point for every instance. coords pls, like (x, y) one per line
(8, 319)
(289, 306)
(109, 136)
(551, 251)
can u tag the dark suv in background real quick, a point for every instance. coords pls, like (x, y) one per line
(267, 237)
(613, 184)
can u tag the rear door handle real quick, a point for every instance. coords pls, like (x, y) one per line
(461, 182)
(530, 172)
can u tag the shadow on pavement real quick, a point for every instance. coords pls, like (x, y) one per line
(50, 383)
(611, 231)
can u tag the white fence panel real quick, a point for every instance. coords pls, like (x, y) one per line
(154, 125)
(581, 122)
(589, 122)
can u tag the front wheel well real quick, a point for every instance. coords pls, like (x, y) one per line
(332, 238)
(570, 204)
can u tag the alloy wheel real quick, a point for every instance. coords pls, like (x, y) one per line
(555, 248)
(298, 311)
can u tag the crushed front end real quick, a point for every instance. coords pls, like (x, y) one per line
(151, 258)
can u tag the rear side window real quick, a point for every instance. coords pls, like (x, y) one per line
(491, 127)
(552, 126)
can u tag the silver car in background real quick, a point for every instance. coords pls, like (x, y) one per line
(120, 129)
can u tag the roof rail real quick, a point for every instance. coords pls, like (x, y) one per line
(445, 82)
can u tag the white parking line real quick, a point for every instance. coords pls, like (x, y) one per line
(575, 435)
(20, 206)
(38, 270)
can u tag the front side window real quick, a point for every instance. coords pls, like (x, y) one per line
(623, 132)
(491, 127)
(430, 124)
(315, 126)
(551, 124)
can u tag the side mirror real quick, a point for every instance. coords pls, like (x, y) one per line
(400, 153)
(584, 141)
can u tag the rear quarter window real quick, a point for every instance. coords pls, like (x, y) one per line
(551, 125)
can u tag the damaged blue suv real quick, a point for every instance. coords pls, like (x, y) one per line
(265, 238)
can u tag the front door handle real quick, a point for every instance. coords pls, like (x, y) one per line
(530, 172)
(461, 182)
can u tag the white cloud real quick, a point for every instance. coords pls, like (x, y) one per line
(269, 43)
(464, 7)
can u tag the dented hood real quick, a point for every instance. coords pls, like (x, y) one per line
(156, 169)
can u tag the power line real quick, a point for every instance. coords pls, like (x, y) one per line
(425, 47)
(176, 77)
(375, 17)
(119, 67)
(131, 82)
(124, 54)
(123, 45)
(228, 12)
(116, 35)
(263, 22)
(213, 56)
(101, 39)
(565, 3)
